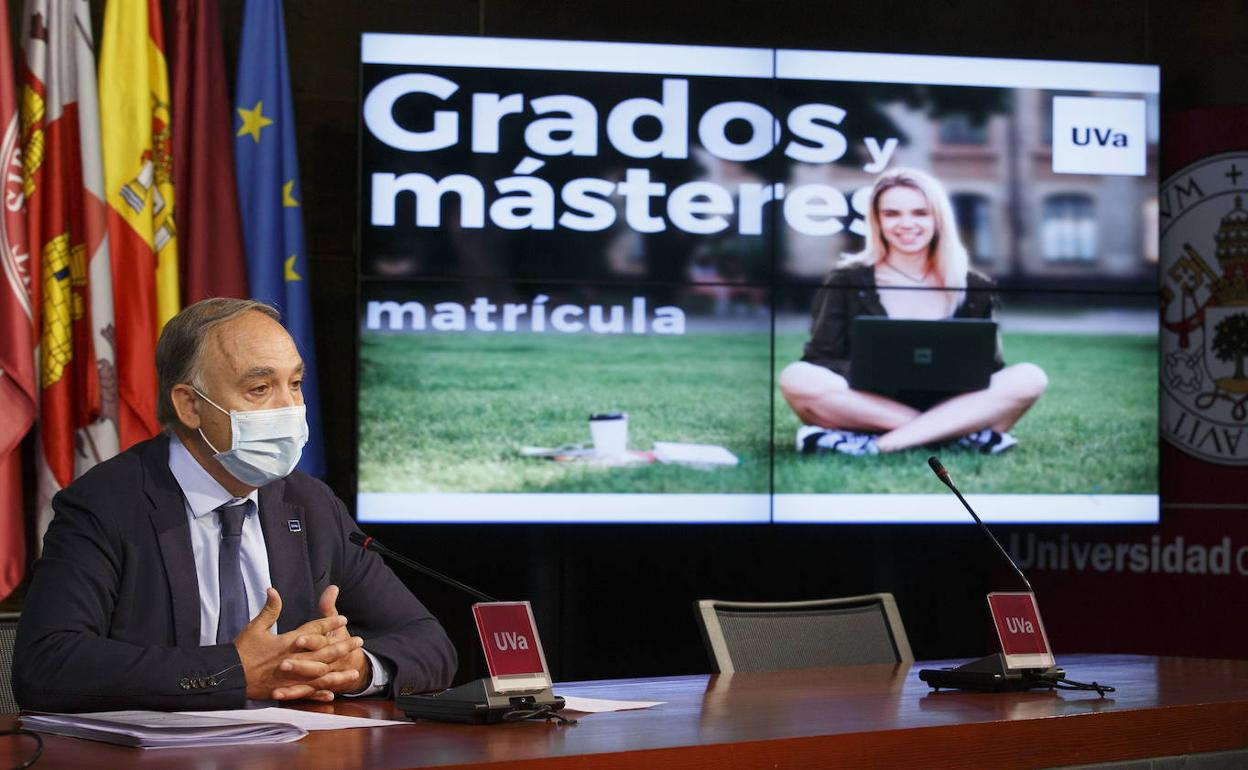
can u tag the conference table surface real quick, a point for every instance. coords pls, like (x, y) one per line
(861, 716)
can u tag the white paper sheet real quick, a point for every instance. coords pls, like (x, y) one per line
(308, 720)
(602, 705)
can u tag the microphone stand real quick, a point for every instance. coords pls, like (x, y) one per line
(943, 475)
(475, 702)
(989, 673)
(371, 544)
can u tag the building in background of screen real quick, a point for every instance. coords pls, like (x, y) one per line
(1023, 224)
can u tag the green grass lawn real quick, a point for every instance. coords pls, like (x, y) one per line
(1094, 431)
(448, 413)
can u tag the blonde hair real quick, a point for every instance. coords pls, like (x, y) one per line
(949, 257)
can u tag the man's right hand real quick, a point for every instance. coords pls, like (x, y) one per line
(263, 652)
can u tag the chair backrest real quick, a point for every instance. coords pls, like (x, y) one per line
(8, 634)
(771, 636)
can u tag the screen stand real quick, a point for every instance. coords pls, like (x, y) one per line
(990, 674)
(477, 702)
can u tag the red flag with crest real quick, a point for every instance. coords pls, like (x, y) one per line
(18, 397)
(73, 296)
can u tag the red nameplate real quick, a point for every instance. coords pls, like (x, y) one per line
(1019, 628)
(513, 651)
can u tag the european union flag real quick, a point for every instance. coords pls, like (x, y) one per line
(267, 170)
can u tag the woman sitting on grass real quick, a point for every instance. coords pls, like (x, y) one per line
(913, 267)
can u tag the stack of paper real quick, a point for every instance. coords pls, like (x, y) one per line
(156, 729)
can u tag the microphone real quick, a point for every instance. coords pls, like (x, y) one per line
(478, 701)
(943, 475)
(991, 673)
(371, 544)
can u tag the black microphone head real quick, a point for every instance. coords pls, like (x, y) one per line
(940, 471)
(357, 537)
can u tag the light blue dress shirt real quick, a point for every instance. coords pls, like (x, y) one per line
(202, 496)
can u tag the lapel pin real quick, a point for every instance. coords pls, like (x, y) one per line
(294, 525)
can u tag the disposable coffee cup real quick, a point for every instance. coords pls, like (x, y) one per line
(609, 431)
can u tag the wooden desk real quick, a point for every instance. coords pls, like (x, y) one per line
(868, 716)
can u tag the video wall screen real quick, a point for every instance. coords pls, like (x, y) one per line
(605, 282)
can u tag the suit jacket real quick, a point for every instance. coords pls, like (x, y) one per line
(111, 620)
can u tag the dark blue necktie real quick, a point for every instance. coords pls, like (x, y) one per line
(232, 614)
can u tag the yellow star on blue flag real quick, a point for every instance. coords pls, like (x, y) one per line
(253, 121)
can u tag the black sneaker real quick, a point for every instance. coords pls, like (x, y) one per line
(857, 444)
(987, 441)
(812, 439)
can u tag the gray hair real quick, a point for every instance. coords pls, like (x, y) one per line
(181, 345)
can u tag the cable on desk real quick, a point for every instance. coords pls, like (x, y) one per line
(538, 712)
(34, 757)
(1062, 683)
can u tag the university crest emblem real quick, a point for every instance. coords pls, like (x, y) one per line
(1204, 308)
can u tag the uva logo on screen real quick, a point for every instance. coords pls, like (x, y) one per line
(1019, 626)
(508, 640)
(1099, 135)
(1104, 137)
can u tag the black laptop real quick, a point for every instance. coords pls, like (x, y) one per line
(921, 361)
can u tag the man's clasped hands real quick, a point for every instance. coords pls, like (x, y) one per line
(314, 661)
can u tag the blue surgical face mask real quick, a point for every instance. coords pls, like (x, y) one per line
(267, 443)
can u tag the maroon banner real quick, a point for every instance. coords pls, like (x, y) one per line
(210, 239)
(1180, 588)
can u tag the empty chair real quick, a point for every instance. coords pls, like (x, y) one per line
(8, 633)
(770, 636)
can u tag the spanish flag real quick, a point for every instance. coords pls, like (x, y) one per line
(135, 129)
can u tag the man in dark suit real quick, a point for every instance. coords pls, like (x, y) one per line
(197, 571)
